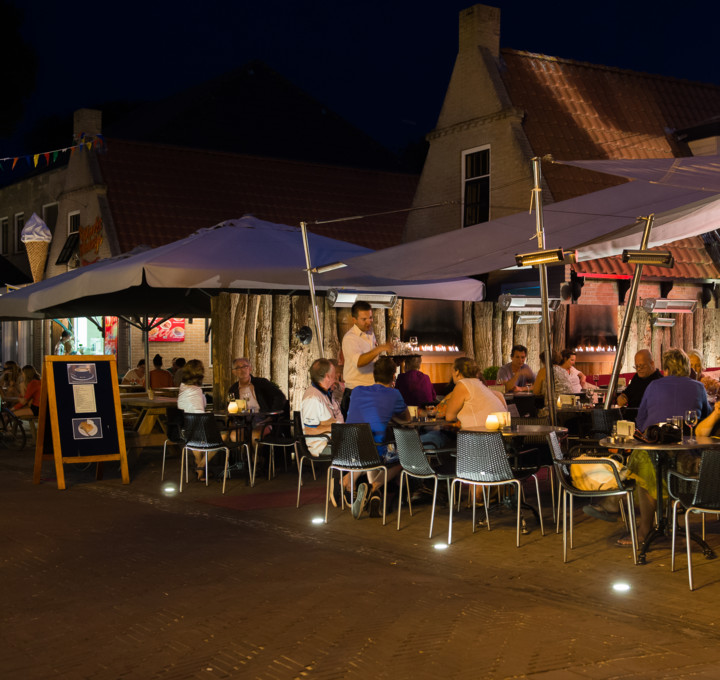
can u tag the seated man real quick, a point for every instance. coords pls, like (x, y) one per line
(377, 405)
(415, 387)
(261, 396)
(646, 373)
(516, 376)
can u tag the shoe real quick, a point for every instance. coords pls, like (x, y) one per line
(375, 505)
(598, 513)
(359, 503)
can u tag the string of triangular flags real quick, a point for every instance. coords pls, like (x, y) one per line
(84, 142)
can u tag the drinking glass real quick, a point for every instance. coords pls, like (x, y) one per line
(691, 418)
(413, 343)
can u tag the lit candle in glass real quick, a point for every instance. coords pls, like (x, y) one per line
(232, 407)
(492, 422)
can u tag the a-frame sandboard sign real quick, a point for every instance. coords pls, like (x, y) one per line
(80, 418)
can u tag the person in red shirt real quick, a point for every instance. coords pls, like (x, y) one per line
(29, 405)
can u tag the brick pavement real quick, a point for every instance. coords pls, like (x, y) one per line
(110, 581)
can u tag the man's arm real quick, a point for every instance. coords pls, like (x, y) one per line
(374, 353)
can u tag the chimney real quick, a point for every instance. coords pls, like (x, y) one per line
(480, 27)
(88, 122)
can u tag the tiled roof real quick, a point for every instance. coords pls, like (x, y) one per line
(576, 110)
(158, 194)
(692, 261)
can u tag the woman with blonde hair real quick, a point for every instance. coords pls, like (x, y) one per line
(697, 364)
(471, 402)
(29, 405)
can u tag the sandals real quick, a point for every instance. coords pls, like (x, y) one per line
(624, 542)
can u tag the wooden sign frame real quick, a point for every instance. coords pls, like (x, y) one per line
(80, 414)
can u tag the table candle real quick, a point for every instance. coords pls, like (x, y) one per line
(232, 407)
(492, 422)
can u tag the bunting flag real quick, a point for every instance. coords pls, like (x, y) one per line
(84, 142)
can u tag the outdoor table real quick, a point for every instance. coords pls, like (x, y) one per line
(149, 411)
(661, 453)
(521, 430)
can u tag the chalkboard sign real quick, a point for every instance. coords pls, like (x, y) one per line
(80, 418)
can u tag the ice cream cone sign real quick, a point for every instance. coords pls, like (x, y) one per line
(37, 237)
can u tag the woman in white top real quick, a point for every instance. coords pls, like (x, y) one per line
(577, 379)
(191, 399)
(562, 378)
(471, 402)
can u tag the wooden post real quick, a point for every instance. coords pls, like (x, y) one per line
(263, 337)
(330, 334)
(559, 321)
(281, 341)
(698, 329)
(239, 322)
(483, 333)
(508, 336)
(468, 346)
(394, 320)
(300, 356)
(710, 329)
(221, 310)
(251, 329)
(688, 341)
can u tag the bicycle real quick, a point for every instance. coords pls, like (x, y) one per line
(12, 431)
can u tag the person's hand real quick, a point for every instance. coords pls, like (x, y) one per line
(622, 400)
(386, 347)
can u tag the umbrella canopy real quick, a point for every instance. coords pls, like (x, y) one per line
(179, 278)
(695, 172)
(599, 224)
(14, 306)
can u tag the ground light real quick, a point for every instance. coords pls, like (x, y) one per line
(318, 520)
(621, 587)
(169, 489)
(441, 546)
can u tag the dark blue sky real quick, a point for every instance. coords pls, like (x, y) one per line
(382, 65)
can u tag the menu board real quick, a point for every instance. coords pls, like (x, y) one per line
(170, 330)
(80, 417)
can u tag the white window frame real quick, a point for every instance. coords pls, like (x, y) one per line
(16, 232)
(72, 214)
(465, 179)
(5, 230)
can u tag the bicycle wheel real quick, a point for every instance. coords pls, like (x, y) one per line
(13, 435)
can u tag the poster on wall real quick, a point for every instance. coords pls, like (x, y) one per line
(172, 330)
(111, 335)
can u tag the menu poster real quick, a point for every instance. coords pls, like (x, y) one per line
(84, 398)
(111, 335)
(172, 330)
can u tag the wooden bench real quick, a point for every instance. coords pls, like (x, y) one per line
(33, 420)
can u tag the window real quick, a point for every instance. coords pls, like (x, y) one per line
(19, 224)
(476, 186)
(50, 215)
(73, 223)
(4, 236)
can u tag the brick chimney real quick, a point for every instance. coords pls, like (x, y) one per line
(480, 27)
(87, 121)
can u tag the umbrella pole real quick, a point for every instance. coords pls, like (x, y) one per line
(146, 336)
(311, 285)
(549, 370)
(629, 310)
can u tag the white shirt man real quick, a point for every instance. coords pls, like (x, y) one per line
(360, 348)
(318, 409)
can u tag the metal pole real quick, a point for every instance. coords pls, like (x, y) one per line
(629, 311)
(311, 285)
(549, 370)
(146, 334)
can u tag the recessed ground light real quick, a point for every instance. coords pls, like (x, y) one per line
(621, 587)
(318, 520)
(441, 546)
(169, 489)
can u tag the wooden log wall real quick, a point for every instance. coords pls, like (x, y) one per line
(263, 327)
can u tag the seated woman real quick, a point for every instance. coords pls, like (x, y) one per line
(470, 402)
(577, 379)
(697, 364)
(562, 377)
(29, 405)
(12, 383)
(669, 396)
(415, 387)
(191, 399)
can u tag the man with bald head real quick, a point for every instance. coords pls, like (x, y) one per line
(646, 373)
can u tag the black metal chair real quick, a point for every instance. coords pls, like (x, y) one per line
(536, 446)
(569, 491)
(175, 420)
(201, 433)
(482, 461)
(303, 453)
(696, 494)
(280, 436)
(414, 460)
(354, 451)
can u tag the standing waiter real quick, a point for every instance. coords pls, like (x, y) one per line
(360, 350)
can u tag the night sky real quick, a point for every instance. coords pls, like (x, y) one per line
(384, 66)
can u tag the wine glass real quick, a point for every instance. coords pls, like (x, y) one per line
(691, 418)
(413, 343)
